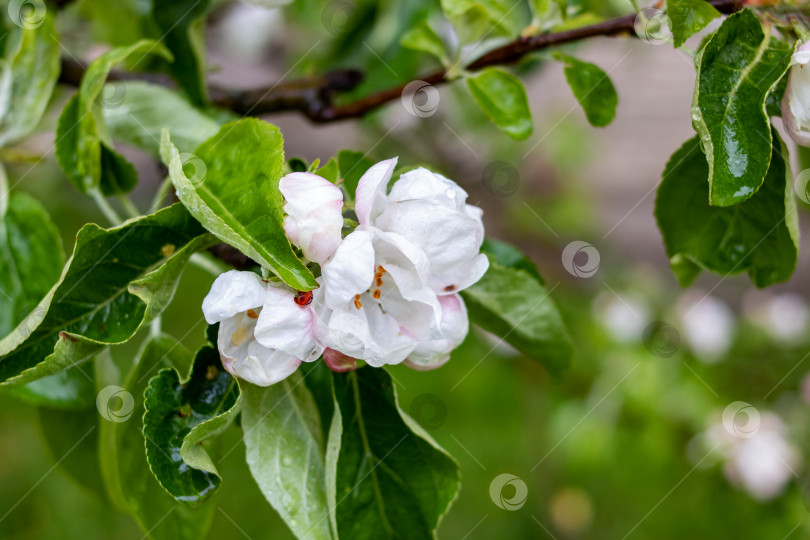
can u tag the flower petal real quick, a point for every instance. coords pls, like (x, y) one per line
(286, 326)
(422, 184)
(314, 219)
(450, 238)
(455, 326)
(368, 334)
(245, 358)
(371, 190)
(233, 292)
(350, 271)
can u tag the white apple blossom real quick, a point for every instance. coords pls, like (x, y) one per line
(796, 101)
(431, 212)
(763, 461)
(379, 304)
(266, 329)
(388, 290)
(314, 208)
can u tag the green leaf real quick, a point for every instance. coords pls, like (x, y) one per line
(28, 73)
(148, 108)
(509, 256)
(386, 476)
(548, 12)
(83, 147)
(205, 405)
(422, 37)
(234, 193)
(127, 474)
(285, 453)
(31, 258)
(182, 27)
(593, 89)
(71, 438)
(352, 165)
(759, 236)
(330, 171)
(479, 19)
(503, 99)
(773, 103)
(116, 281)
(737, 67)
(689, 17)
(513, 304)
(118, 23)
(71, 389)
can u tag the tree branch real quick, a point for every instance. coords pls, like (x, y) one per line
(315, 97)
(320, 108)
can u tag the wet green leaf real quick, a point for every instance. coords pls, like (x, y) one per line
(234, 193)
(116, 281)
(285, 453)
(503, 99)
(593, 89)
(513, 304)
(759, 236)
(689, 17)
(126, 471)
(28, 73)
(148, 108)
(737, 67)
(386, 476)
(179, 416)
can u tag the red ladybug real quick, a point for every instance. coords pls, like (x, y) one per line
(303, 298)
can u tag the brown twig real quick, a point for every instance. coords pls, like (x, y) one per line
(315, 97)
(324, 110)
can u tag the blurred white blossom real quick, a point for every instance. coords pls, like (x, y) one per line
(707, 324)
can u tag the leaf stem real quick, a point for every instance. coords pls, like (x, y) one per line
(129, 206)
(156, 326)
(108, 211)
(162, 191)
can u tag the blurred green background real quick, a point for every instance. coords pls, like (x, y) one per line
(631, 442)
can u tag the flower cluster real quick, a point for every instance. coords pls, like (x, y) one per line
(388, 291)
